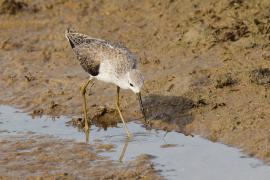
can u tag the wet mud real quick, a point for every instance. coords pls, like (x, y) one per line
(204, 64)
(35, 156)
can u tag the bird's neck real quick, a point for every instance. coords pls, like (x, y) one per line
(122, 83)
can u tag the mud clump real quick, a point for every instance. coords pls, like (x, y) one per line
(53, 105)
(29, 77)
(263, 26)
(12, 7)
(37, 112)
(235, 2)
(103, 117)
(200, 103)
(101, 111)
(260, 76)
(231, 33)
(168, 145)
(217, 105)
(76, 122)
(225, 80)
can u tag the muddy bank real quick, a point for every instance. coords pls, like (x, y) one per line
(198, 59)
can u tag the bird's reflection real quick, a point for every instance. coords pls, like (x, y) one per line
(87, 135)
(123, 151)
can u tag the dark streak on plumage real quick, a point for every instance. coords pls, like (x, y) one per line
(87, 60)
(79, 44)
(71, 43)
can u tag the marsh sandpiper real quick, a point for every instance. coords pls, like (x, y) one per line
(109, 62)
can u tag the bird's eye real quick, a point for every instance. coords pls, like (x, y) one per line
(131, 85)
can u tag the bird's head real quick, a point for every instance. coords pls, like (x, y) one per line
(135, 80)
(135, 83)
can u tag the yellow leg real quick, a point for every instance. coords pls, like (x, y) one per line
(83, 91)
(120, 114)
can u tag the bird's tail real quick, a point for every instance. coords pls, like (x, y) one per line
(75, 38)
(68, 35)
(70, 30)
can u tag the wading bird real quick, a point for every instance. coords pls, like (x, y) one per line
(109, 62)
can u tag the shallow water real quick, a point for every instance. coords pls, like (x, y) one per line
(176, 155)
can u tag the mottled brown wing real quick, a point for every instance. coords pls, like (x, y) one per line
(89, 52)
(88, 58)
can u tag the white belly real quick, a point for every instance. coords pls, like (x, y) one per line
(107, 74)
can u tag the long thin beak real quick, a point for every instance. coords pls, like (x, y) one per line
(141, 105)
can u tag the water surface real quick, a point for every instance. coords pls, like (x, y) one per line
(177, 156)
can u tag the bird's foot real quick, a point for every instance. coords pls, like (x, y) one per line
(87, 123)
(86, 128)
(129, 136)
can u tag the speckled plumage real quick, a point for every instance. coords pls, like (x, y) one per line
(101, 57)
(109, 62)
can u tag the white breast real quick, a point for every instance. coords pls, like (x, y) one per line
(108, 74)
